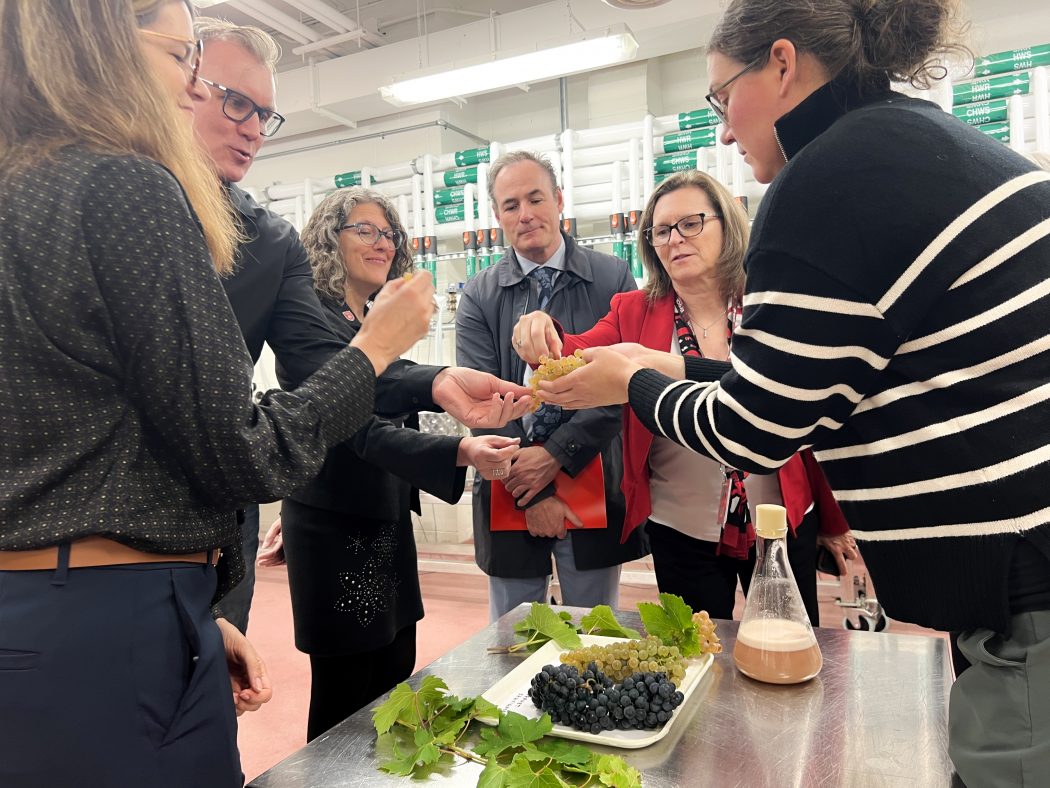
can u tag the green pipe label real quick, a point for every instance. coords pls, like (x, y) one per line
(472, 265)
(690, 140)
(472, 156)
(984, 112)
(999, 131)
(991, 88)
(1018, 59)
(344, 179)
(461, 176)
(696, 119)
(448, 196)
(676, 162)
(451, 213)
(660, 178)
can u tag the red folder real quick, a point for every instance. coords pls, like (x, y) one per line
(585, 495)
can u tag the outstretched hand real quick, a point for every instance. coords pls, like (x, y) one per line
(603, 380)
(479, 400)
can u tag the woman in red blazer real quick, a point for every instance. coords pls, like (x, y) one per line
(692, 239)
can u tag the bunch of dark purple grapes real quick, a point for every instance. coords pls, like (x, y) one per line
(590, 702)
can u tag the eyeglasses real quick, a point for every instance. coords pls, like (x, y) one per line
(720, 107)
(238, 107)
(687, 227)
(371, 234)
(191, 58)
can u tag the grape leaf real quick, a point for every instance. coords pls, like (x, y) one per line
(602, 621)
(424, 752)
(672, 622)
(524, 774)
(405, 705)
(563, 752)
(614, 771)
(543, 624)
(514, 730)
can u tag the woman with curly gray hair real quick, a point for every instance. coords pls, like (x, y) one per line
(347, 536)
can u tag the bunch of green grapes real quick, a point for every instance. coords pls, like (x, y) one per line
(709, 642)
(625, 658)
(552, 369)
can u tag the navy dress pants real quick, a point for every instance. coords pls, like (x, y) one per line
(114, 677)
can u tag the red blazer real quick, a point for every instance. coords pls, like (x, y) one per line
(633, 319)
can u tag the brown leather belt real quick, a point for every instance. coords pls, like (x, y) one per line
(95, 551)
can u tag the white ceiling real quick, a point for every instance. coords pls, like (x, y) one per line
(383, 21)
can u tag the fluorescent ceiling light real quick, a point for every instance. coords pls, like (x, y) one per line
(595, 50)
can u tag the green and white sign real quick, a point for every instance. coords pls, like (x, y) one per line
(696, 119)
(1016, 60)
(689, 140)
(344, 179)
(677, 162)
(448, 196)
(472, 156)
(999, 131)
(451, 213)
(460, 176)
(991, 88)
(982, 112)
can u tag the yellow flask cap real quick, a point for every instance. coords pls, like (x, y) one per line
(771, 521)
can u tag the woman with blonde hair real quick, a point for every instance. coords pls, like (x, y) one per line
(129, 435)
(692, 240)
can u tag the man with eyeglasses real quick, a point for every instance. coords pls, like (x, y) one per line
(272, 291)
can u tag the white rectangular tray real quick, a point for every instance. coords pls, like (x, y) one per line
(511, 693)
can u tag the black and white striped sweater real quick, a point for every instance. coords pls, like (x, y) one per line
(897, 319)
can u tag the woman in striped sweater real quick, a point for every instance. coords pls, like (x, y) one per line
(895, 319)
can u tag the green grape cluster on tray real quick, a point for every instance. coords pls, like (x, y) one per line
(625, 658)
(552, 369)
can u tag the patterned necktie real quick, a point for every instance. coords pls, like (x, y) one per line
(549, 417)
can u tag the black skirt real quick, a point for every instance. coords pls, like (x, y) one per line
(354, 582)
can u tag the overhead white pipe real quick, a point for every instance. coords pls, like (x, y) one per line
(634, 176)
(569, 208)
(616, 179)
(299, 223)
(267, 14)
(647, 157)
(722, 154)
(308, 199)
(402, 210)
(1016, 116)
(1041, 109)
(428, 194)
(602, 154)
(417, 206)
(336, 20)
(484, 203)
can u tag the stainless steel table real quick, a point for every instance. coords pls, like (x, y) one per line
(875, 716)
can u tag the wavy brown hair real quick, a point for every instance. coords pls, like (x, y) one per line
(868, 42)
(73, 73)
(321, 238)
(729, 268)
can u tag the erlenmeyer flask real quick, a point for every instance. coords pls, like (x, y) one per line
(775, 642)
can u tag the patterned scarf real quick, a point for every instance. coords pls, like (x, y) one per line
(738, 533)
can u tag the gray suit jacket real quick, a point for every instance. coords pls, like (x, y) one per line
(491, 305)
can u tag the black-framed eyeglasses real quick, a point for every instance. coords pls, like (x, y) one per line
(238, 107)
(721, 107)
(687, 227)
(192, 57)
(371, 234)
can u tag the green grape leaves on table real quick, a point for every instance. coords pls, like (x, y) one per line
(672, 622)
(539, 626)
(424, 730)
(602, 621)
